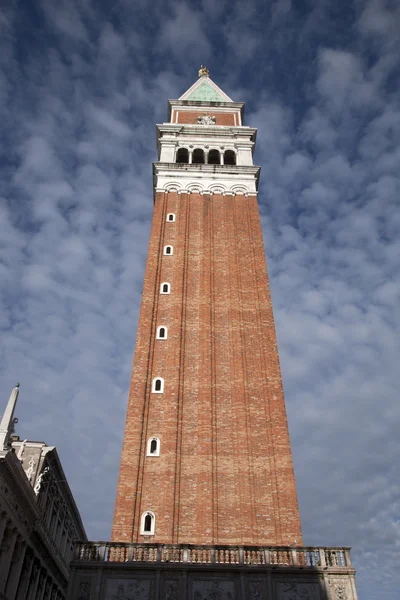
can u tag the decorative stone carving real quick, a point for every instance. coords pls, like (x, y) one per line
(206, 120)
(128, 589)
(85, 586)
(39, 480)
(29, 471)
(213, 590)
(203, 71)
(339, 589)
(171, 590)
(291, 590)
(255, 590)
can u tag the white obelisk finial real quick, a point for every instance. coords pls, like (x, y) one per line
(8, 420)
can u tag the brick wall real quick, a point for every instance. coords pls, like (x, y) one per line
(225, 472)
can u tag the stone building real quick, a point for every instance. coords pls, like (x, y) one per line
(39, 520)
(206, 503)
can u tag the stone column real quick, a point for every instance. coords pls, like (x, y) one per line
(8, 545)
(53, 530)
(16, 568)
(63, 541)
(22, 591)
(34, 583)
(41, 590)
(3, 523)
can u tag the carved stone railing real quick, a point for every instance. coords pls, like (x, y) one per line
(274, 556)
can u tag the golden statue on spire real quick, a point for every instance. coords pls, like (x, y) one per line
(203, 71)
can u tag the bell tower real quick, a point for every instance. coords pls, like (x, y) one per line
(206, 456)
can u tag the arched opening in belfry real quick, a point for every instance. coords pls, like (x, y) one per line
(198, 156)
(229, 157)
(214, 157)
(182, 156)
(153, 446)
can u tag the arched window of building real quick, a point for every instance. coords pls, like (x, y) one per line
(153, 447)
(229, 157)
(147, 523)
(168, 250)
(214, 157)
(198, 156)
(182, 156)
(171, 218)
(158, 385)
(165, 288)
(162, 332)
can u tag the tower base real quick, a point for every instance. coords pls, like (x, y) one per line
(112, 571)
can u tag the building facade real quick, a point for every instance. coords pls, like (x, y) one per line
(39, 520)
(206, 503)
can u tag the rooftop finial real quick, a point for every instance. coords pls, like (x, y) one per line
(203, 71)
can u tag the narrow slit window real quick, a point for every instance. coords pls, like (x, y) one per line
(158, 385)
(171, 218)
(162, 333)
(153, 447)
(165, 288)
(148, 523)
(168, 250)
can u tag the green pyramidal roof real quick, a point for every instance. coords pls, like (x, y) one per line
(204, 92)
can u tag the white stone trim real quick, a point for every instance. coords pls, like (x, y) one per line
(162, 292)
(153, 385)
(158, 337)
(170, 188)
(166, 253)
(149, 441)
(195, 187)
(206, 178)
(153, 523)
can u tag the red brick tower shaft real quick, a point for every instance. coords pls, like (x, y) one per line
(206, 457)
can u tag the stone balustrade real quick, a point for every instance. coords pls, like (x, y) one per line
(305, 557)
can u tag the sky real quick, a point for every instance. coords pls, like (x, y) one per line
(82, 85)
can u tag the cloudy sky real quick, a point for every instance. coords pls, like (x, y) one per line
(82, 84)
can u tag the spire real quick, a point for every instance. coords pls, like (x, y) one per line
(205, 90)
(8, 420)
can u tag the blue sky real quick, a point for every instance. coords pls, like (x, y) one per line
(82, 84)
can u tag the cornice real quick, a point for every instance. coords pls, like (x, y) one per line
(55, 464)
(206, 179)
(203, 104)
(196, 168)
(207, 130)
